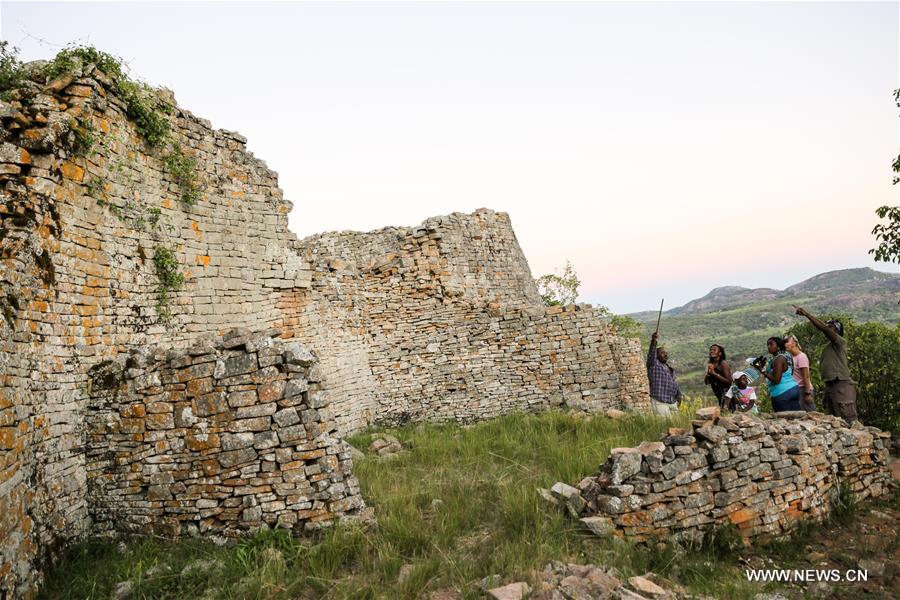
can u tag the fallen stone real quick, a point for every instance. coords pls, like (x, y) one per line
(601, 526)
(569, 496)
(404, 572)
(708, 412)
(872, 567)
(123, 590)
(512, 591)
(546, 495)
(644, 586)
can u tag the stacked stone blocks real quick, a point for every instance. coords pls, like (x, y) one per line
(79, 291)
(761, 475)
(220, 438)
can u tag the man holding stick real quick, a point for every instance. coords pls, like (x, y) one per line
(664, 391)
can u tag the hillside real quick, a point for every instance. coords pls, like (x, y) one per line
(740, 319)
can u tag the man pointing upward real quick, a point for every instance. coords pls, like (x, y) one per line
(664, 390)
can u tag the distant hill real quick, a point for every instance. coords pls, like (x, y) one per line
(741, 319)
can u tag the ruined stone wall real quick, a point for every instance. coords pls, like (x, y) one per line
(443, 322)
(78, 283)
(79, 229)
(220, 438)
(762, 475)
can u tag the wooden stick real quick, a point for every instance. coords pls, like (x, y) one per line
(659, 318)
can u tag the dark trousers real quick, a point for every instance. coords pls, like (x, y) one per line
(790, 400)
(840, 399)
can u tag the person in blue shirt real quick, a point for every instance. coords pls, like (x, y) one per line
(779, 371)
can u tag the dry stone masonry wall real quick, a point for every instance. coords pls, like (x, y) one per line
(220, 438)
(435, 322)
(762, 475)
(418, 328)
(78, 285)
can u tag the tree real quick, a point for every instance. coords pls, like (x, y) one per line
(873, 351)
(888, 234)
(559, 290)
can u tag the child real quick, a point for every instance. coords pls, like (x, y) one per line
(741, 396)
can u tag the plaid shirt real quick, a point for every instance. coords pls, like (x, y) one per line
(663, 386)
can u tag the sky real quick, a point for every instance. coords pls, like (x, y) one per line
(663, 148)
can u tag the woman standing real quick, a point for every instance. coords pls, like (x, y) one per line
(801, 373)
(779, 372)
(718, 373)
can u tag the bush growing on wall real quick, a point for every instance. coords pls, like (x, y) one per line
(561, 290)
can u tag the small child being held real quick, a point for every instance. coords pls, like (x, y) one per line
(741, 396)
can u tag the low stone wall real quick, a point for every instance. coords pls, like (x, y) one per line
(223, 437)
(761, 474)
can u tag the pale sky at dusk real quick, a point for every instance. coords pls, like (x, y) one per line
(664, 148)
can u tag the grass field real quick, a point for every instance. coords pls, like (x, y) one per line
(458, 506)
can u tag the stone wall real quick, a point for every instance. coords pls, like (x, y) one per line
(79, 228)
(762, 475)
(221, 438)
(443, 322)
(78, 284)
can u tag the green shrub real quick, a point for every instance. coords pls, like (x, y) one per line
(12, 73)
(170, 280)
(83, 137)
(145, 110)
(69, 58)
(182, 168)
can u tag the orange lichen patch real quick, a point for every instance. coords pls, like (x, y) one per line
(34, 135)
(7, 437)
(196, 227)
(81, 91)
(71, 171)
(742, 516)
(64, 194)
(86, 310)
(24, 157)
(101, 124)
(203, 259)
(201, 441)
(166, 203)
(236, 194)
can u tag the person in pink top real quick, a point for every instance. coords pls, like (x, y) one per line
(801, 373)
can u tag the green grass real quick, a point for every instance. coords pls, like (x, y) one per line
(458, 506)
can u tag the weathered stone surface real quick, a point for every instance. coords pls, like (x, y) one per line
(378, 326)
(760, 474)
(624, 465)
(569, 496)
(644, 586)
(512, 591)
